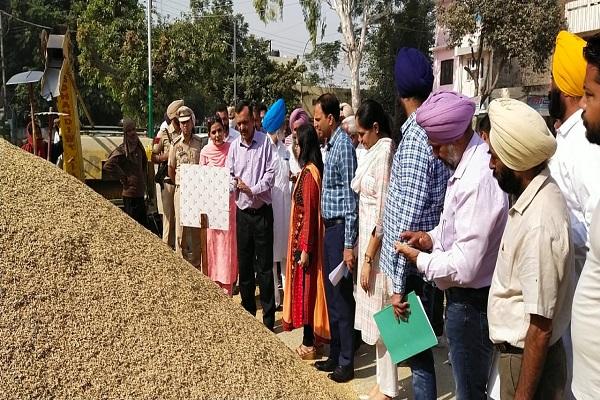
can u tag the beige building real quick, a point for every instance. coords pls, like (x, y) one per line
(310, 94)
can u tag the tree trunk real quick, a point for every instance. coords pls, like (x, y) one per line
(354, 49)
(355, 84)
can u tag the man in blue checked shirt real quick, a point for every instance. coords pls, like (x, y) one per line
(339, 208)
(415, 199)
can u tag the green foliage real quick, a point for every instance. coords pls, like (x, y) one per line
(513, 30)
(191, 59)
(191, 56)
(111, 38)
(271, 10)
(323, 60)
(263, 80)
(403, 23)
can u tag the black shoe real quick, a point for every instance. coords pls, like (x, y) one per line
(357, 344)
(342, 374)
(326, 365)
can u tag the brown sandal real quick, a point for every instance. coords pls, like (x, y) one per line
(306, 353)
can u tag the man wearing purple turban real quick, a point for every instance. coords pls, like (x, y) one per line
(414, 202)
(460, 253)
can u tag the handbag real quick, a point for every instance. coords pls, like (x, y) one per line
(163, 167)
(161, 173)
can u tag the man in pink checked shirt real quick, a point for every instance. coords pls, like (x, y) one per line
(464, 245)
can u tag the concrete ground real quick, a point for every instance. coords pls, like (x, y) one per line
(364, 363)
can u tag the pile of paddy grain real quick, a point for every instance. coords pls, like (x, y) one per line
(94, 306)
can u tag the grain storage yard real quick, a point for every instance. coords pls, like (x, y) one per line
(95, 306)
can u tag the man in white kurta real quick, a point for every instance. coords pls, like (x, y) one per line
(576, 163)
(585, 325)
(280, 193)
(273, 124)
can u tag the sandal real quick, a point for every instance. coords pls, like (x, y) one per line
(306, 353)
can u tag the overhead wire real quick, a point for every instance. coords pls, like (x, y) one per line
(23, 21)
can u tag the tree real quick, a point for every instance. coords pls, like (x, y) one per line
(355, 18)
(523, 31)
(323, 61)
(263, 80)
(112, 42)
(58, 15)
(191, 58)
(405, 23)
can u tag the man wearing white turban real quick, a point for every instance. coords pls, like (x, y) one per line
(530, 298)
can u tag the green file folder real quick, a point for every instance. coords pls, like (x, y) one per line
(404, 339)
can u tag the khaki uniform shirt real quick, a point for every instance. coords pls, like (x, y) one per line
(535, 267)
(165, 141)
(184, 153)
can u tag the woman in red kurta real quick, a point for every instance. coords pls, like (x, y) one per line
(304, 295)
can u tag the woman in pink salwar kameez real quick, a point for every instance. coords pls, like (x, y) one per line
(221, 246)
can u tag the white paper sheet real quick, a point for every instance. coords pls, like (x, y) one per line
(494, 380)
(338, 273)
(204, 190)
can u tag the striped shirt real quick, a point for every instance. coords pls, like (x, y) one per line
(415, 198)
(338, 199)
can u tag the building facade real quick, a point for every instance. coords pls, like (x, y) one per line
(449, 63)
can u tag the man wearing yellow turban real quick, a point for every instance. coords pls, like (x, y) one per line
(576, 163)
(531, 291)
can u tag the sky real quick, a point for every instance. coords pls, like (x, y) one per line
(288, 35)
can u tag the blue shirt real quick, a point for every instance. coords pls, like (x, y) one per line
(415, 198)
(338, 199)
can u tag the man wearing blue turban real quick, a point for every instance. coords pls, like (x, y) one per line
(274, 125)
(414, 202)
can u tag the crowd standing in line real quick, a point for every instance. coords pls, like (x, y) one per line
(499, 227)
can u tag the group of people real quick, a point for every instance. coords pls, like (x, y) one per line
(498, 225)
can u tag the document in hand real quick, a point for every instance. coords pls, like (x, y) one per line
(339, 272)
(404, 339)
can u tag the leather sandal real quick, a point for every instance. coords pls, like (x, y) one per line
(306, 353)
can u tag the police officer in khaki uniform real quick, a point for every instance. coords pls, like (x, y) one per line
(160, 154)
(185, 150)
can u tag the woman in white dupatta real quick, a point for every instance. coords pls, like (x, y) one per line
(373, 291)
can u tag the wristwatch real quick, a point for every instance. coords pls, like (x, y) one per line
(368, 259)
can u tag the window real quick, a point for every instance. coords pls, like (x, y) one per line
(446, 72)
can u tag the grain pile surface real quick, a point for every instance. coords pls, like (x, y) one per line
(94, 306)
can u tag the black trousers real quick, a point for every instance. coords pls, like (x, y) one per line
(255, 256)
(135, 207)
(340, 300)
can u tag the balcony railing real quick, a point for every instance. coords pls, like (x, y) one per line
(583, 16)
